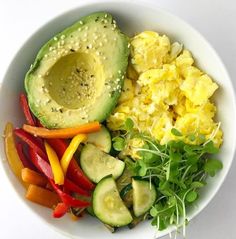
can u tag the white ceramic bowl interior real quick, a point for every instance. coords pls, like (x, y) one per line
(132, 17)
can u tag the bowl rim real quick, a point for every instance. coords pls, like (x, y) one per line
(144, 3)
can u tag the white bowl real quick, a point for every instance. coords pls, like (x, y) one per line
(132, 17)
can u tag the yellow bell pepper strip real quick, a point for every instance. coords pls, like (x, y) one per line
(57, 171)
(12, 156)
(74, 172)
(68, 154)
(62, 133)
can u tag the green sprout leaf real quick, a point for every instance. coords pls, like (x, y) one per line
(191, 196)
(192, 137)
(197, 184)
(118, 143)
(153, 212)
(210, 148)
(142, 169)
(129, 124)
(202, 138)
(212, 166)
(162, 224)
(176, 132)
(177, 169)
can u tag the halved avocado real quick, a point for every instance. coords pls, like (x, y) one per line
(78, 75)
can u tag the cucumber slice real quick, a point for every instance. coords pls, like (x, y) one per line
(127, 195)
(101, 139)
(107, 204)
(90, 211)
(135, 222)
(125, 190)
(96, 164)
(124, 179)
(125, 187)
(144, 196)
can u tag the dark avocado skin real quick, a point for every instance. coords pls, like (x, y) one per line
(53, 115)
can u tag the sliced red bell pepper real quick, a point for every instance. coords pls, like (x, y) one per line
(31, 141)
(38, 123)
(45, 168)
(60, 210)
(72, 187)
(67, 199)
(26, 110)
(41, 164)
(26, 162)
(74, 172)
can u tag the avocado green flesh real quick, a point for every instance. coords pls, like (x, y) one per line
(78, 75)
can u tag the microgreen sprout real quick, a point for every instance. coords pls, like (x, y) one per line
(177, 170)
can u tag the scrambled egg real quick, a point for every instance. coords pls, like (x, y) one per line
(164, 90)
(149, 50)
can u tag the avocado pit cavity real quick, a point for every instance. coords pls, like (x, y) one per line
(75, 79)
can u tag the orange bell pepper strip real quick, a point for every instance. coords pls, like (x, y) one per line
(62, 133)
(12, 156)
(42, 196)
(57, 171)
(32, 177)
(71, 149)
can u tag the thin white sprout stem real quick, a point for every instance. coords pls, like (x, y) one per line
(184, 211)
(168, 172)
(202, 177)
(159, 199)
(158, 223)
(213, 134)
(153, 175)
(177, 213)
(153, 152)
(156, 168)
(150, 180)
(197, 174)
(185, 173)
(150, 142)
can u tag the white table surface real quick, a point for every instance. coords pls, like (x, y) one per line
(215, 19)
